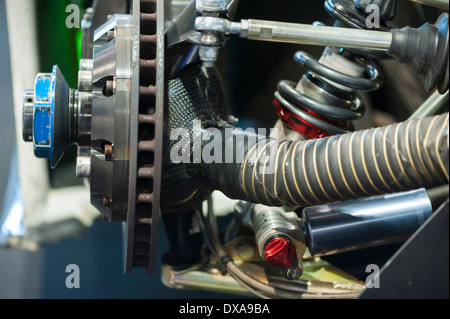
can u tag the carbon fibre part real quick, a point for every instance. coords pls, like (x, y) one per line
(195, 103)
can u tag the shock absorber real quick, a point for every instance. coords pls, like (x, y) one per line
(325, 100)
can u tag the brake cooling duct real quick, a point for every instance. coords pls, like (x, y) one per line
(394, 158)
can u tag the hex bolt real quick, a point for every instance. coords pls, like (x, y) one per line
(208, 55)
(110, 87)
(108, 152)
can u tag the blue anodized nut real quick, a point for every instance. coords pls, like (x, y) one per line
(43, 120)
(51, 116)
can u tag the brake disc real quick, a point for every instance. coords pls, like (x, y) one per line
(146, 133)
(115, 117)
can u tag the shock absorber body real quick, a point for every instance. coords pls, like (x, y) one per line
(325, 102)
(322, 103)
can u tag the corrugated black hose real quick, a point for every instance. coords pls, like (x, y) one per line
(398, 157)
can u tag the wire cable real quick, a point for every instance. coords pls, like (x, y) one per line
(256, 286)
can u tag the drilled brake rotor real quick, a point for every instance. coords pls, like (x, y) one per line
(146, 126)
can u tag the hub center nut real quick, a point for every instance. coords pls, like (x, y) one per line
(46, 115)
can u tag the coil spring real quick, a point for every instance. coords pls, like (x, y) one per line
(325, 117)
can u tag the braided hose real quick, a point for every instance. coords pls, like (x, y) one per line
(398, 157)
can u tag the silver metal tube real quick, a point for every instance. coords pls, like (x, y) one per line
(365, 222)
(431, 106)
(441, 4)
(315, 35)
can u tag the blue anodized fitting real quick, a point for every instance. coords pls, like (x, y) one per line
(46, 115)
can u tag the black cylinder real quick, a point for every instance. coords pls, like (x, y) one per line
(364, 223)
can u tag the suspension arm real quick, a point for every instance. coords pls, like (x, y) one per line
(297, 33)
(425, 49)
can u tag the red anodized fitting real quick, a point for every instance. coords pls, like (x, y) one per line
(280, 252)
(298, 124)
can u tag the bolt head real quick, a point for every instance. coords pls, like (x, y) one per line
(108, 152)
(208, 55)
